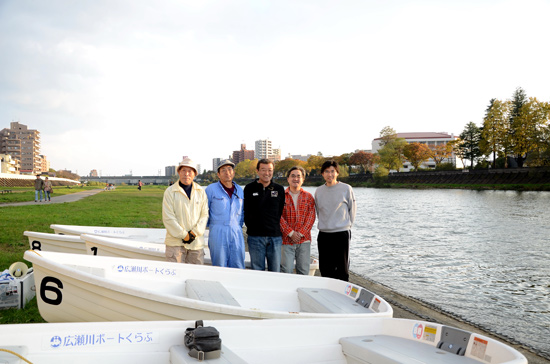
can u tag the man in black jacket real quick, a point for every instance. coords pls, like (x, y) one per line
(38, 188)
(263, 206)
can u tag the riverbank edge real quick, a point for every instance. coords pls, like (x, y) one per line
(410, 308)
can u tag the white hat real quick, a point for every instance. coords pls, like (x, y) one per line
(188, 162)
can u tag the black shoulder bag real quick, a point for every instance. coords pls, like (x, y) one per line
(203, 342)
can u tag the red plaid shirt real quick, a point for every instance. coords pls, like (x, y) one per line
(302, 220)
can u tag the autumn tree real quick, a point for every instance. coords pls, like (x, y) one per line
(387, 134)
(246, 169)
(315, 162)
(537, 123)
(494, 137)
(343, 161)
(365, 160)
(282, 167)
(441, 152)
(416, 154)
(391, 154)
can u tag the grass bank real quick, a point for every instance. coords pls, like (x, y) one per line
(125, 206)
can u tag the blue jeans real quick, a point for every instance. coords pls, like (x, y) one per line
(303, 258)
(36, 194)
(262, 247)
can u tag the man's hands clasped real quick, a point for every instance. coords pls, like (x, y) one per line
(189, 238)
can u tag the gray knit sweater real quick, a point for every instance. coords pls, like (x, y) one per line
(335, 206)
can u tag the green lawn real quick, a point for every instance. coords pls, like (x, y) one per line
(125, 206)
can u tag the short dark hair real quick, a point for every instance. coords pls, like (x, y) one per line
(330, 163)
(299, 168)
(264, 161)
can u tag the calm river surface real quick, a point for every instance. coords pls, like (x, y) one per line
(484, 255)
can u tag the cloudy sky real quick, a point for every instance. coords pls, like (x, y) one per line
(132, 86)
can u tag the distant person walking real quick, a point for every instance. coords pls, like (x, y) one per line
(264, 201)
(336, 208)
(185, 214)
(38, 188)
(140, 184)
(47, 189)
(226, 209)
(296, 223)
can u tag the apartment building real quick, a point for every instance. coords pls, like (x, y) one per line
(264, 149)
(430, 139)
(242, 154)
(170, 171)
(22, 144)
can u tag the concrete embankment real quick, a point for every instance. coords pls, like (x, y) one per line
(409, 308)
(514, 176)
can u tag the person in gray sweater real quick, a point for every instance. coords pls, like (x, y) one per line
(336, 208)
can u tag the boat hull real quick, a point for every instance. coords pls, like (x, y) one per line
(56, 243)
(84, 288)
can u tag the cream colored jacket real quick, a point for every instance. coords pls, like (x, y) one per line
(181, 214)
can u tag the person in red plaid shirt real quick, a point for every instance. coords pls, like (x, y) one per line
(296, 223)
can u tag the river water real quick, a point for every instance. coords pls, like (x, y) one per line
(483, 255)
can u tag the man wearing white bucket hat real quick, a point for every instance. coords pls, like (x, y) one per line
(185, 214)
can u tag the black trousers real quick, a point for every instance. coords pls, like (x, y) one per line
(334, 254)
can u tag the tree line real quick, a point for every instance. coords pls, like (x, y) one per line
(358, 162)
(514, 132)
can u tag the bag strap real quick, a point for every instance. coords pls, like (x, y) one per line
(201, 355)
(199, 323)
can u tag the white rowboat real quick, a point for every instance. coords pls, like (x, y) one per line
(149, 235)
(329, 341)
(56, 243)
(76, 287)
(117, 247)
(113, 247)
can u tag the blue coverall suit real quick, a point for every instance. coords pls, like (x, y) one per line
(225, 239)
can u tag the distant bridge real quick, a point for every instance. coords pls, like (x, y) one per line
(129, 180)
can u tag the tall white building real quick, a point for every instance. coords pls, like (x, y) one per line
(263, 149)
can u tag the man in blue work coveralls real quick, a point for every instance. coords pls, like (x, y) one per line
(225, 204)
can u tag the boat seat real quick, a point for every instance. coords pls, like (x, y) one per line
(383, 349)
(209, 291)
(179, 354)
(322, 300)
